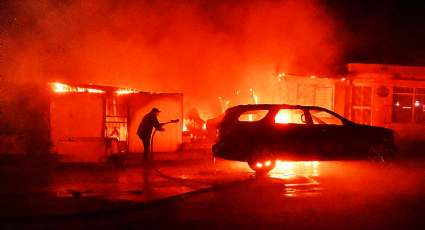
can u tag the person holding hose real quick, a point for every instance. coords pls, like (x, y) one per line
(144, 131)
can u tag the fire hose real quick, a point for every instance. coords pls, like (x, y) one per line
(170, 177)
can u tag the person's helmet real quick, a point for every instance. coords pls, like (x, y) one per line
(155, 110)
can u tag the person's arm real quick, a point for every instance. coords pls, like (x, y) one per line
(158, 126)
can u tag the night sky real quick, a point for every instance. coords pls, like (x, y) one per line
(387, 32)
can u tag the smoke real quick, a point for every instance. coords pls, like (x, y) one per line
(204, 49)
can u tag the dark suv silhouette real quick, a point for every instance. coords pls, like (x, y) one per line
(263, 133)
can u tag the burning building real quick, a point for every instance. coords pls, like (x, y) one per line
(373, 94)
(86, 123)
(387, 95)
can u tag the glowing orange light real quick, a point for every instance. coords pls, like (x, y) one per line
(94, 91)
(288, 169)
(61, 88)
(282, 118)
(417, 103)
(126, 91)
(57, 87)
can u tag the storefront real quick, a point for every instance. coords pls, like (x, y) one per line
(387, 95)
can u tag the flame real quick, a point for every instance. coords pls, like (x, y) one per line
(62, 88)
(282, 118)
(254, 96)
(94, 91)
(57, 87)
(127, 91)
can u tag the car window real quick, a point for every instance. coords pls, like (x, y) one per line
(253, 115)
(324, 118)
(290, 116)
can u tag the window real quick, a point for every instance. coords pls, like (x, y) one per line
(361, 105)
(316, 95)
(362, 96)
(252, 115)
(408, 105)
(324, 118)
(290, 116)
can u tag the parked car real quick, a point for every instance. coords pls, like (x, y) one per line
(261, 134)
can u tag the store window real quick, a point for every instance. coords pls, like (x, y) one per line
(408, 105)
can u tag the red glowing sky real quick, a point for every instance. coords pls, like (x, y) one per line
(204, 49)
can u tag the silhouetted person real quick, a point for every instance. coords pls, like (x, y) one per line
(144, 131)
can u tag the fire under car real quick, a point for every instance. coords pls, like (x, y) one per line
(261, 134)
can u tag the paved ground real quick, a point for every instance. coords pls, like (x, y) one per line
(191, 190)
(80, 188)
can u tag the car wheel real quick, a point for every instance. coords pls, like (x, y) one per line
(262, 161)
(380, 153)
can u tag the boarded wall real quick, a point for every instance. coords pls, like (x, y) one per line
(171, 107)
(76, 125)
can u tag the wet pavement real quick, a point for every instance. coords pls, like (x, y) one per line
(80, 188)
(193, 190)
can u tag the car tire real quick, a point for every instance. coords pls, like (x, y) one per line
(380, 153)
(262, 161)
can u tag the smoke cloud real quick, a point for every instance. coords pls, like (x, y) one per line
(204, 49)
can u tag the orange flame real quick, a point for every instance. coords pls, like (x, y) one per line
(128, 91)
(62, 88)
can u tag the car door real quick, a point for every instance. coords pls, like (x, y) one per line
(292, 134)
(333, 138)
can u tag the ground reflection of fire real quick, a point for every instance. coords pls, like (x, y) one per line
(299, 177)
(285, 170)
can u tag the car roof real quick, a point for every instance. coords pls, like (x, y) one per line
(235, 111)
(273, 106)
